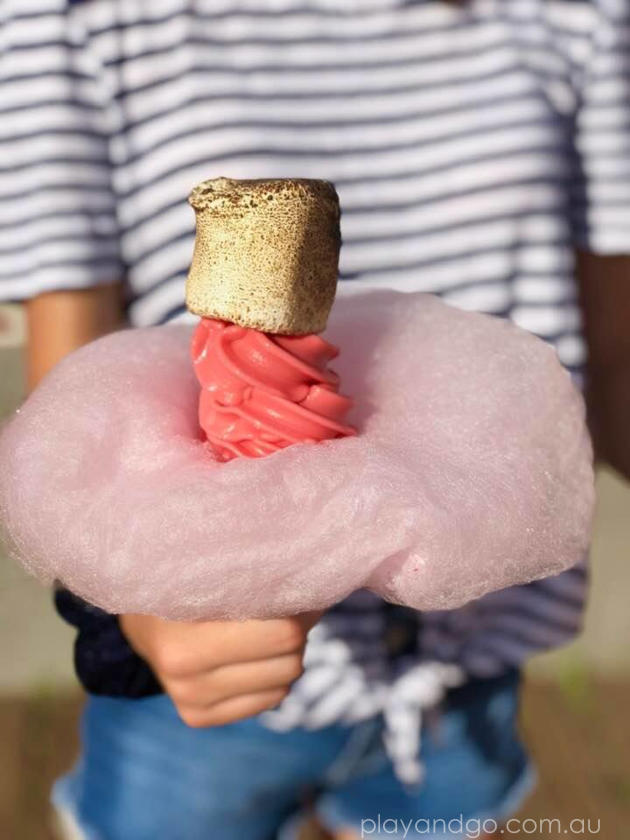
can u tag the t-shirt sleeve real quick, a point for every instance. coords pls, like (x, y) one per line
(601, 194)
(104, 661)
(57, 207)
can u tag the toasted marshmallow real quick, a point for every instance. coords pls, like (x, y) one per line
(266, 253)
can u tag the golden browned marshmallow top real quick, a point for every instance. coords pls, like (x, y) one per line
(266, 253)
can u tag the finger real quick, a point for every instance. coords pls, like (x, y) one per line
(230, 681)
(252, 677)
(256, 639)
(187, 649)
(229, 711)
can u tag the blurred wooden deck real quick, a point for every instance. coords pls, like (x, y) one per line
(579, 735)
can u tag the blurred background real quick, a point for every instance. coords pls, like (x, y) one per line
(579, 697)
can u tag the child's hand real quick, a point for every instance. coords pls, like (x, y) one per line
(217, 672)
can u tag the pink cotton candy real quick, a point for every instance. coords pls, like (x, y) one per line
(472, 472)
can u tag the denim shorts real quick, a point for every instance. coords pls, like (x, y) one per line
(144, 775)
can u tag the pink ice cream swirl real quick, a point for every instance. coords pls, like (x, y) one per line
(261, 393)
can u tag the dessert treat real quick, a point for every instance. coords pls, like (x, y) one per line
(261, 393)
(472, 472)
(265, 263)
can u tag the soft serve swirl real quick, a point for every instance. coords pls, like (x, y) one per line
(261, 393)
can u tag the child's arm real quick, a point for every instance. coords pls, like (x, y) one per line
(604, 283)
(59, 322)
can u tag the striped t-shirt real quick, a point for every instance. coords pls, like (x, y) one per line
(473, 144)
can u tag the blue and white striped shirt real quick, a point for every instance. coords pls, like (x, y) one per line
(473, 146)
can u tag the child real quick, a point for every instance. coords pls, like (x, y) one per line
(474, 145)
